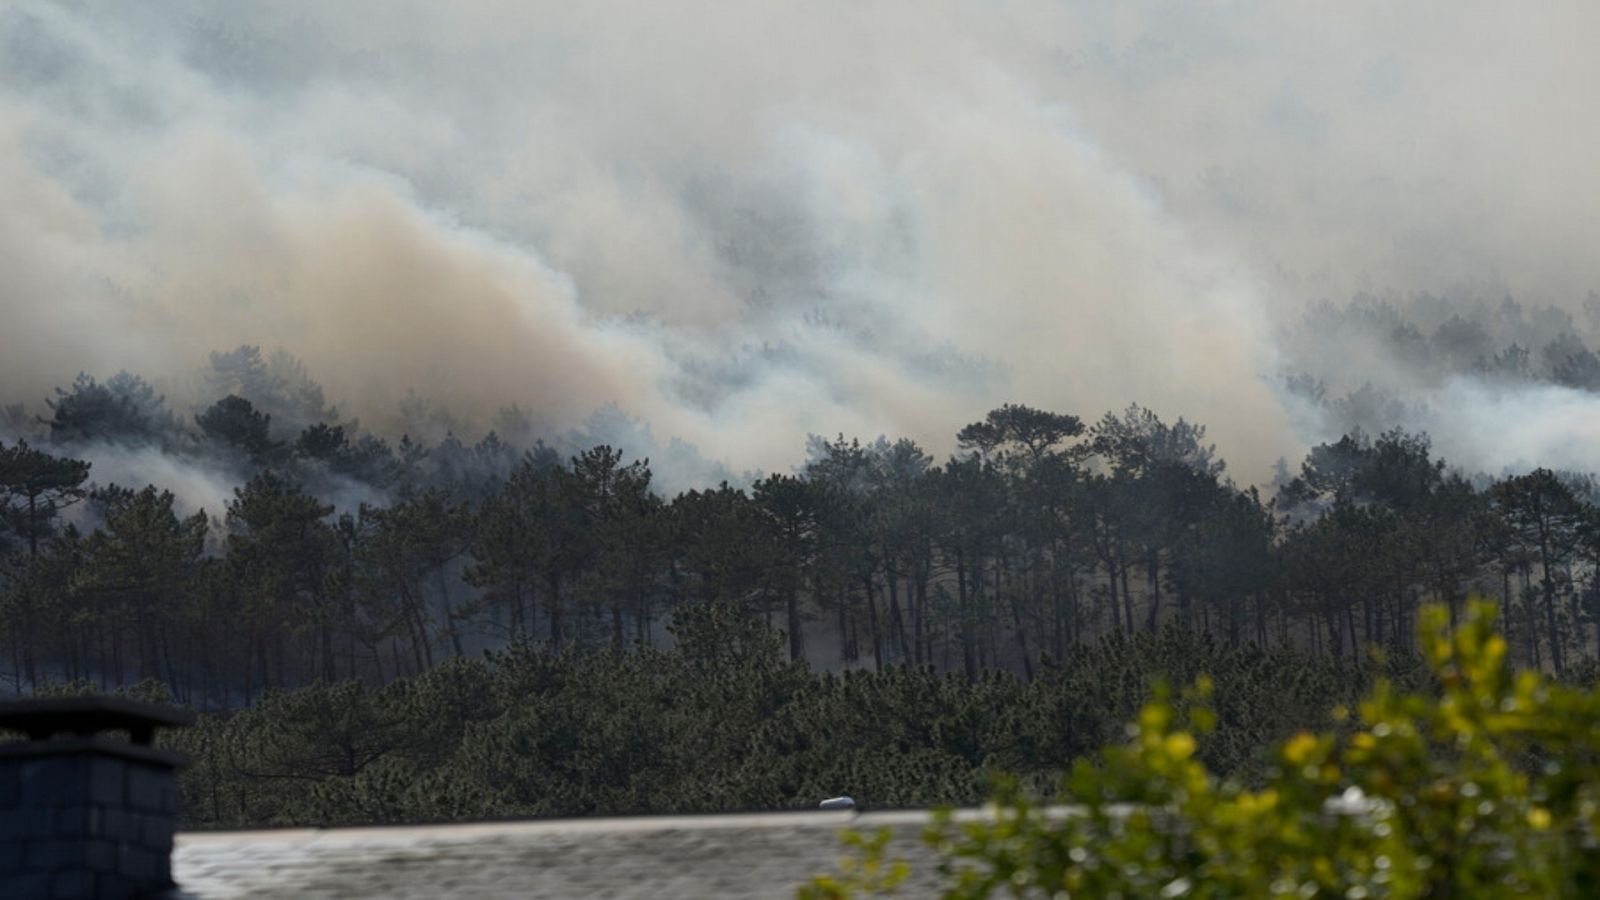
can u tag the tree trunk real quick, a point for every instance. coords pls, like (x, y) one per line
(330, 668)
(1153, 571)
(969, 650)
(1127, 598)
(451, 627)
(33, 526)
(897, 623)
(1531, 618)
(846, 651)
(923, 652)
(1022, 635)
(797, 646)
(554, 604)
(872, 623)
(1350, 623)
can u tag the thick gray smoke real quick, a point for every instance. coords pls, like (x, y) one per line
(737, 223)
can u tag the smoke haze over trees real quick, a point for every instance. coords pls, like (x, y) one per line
(262, 541)
(743, 228)
(1005, 609)
(342, 343)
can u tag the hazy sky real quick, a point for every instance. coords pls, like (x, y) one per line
(745, 221)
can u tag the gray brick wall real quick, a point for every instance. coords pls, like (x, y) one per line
(84, 824)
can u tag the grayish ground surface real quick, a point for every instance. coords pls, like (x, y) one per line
(761, 855)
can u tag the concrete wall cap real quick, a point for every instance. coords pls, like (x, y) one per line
(95, 745)
(40, 717)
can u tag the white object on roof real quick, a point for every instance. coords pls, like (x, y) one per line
(839, 803)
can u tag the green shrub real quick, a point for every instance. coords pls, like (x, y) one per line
(1483, 786)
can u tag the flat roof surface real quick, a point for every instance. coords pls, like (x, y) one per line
(734, 856)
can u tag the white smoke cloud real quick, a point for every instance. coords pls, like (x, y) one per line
(1511, 429)
(742, 223)
(196, 485)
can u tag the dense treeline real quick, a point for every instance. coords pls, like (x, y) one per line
(340, 556)
(1483, 784)
(721, 721)
(433, 629)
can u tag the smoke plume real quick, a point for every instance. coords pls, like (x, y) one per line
(733, 224)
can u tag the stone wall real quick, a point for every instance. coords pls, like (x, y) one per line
(85, 815)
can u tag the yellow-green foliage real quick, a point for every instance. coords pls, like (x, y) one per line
(1485, 787)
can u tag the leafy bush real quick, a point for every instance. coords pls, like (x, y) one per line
(1484, 785)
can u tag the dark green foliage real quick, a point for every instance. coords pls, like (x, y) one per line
(234, 422)
(276, 384)
(1029, 430)
(1483, 785)
(720, 721)
(124, 410)
(136, 564)
(1001, 610)
(343, 557)
(34, 488)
